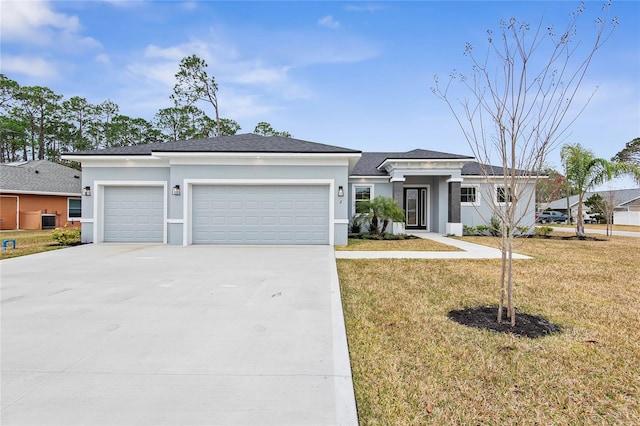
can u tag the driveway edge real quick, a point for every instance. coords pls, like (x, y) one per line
(345, 403)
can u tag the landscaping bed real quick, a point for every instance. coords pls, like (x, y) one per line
(407, 244)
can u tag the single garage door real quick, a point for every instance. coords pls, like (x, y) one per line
(260, 214)
(133, 214)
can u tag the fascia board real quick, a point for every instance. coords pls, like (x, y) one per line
(458, 161)
(58, 194)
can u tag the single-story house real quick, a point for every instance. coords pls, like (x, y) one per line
(626, 211)
(251, 189)
(39, 195)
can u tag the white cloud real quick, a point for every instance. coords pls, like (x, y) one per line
(30, 66)
(33, 20)
(329, 22)
(103, 58)
(190, 5)
(363, 8)
(36, 23)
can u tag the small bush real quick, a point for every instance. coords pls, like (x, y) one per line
(543, 231)
(67, 236)
(355, 227)
(469, 230)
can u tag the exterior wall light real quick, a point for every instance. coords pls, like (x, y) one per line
(86, 191)
(340, 191)
(175, 190)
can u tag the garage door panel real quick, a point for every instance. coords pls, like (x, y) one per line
(279, 214)
(133, 214)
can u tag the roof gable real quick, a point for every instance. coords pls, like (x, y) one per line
(370, 161)
(39, 176)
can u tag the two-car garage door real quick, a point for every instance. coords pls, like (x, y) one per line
(260, 214)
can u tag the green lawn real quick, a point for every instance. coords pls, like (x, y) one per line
(413, 244)
(28, 242)
(414, 366)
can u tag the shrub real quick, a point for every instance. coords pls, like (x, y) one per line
(355, 227)
(67, 236)
(543, 231)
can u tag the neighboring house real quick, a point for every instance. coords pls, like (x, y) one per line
(39, 195)
(251, 189)
(626, 212)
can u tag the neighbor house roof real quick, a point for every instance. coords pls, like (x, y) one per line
(622, 196)
(242, 143)
(41, 176)
(370, 161)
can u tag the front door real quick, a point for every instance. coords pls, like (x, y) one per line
(415, 208)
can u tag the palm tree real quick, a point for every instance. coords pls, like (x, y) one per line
(381, 210)
(585, 171)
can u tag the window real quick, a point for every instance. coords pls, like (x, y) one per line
(361, 194)
(503, 195)
(74, 208)
(469, 196)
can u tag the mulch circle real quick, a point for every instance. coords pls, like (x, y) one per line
(532, 326)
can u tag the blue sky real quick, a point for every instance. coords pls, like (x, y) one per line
(355, 74)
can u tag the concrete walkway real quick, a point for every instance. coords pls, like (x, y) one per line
(470, 251)
(115, 334)
(597, 231)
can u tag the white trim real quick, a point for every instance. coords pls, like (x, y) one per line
(98, 203)
(470, 185)
(174, 221)
(187, 206)
(371, 187)
(86, 220)
(428, 201)
(127, 161)
(73, 219)
(341, 221)
(453, 180)
(510, 193)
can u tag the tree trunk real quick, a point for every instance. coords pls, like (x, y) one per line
(579, 221)
(502, 282)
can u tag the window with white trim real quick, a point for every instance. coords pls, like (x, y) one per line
(503, 195)
(469, 195)
(361, 194)
(74, 208)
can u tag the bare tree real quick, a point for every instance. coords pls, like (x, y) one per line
(520, 102)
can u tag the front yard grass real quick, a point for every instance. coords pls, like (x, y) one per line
(414, 244)
(28, 242)
(412, 365)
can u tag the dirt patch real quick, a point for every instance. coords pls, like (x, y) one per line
(532, 326)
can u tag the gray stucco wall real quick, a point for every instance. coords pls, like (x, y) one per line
(177, 174)
(481, 214)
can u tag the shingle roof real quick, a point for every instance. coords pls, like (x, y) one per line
(622, 196)
(477, 169)
(369, 162)
(39, 176)
(247, 142)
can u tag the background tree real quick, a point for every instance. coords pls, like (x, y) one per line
(602, 208)
(38, 106)
(585, 171)
(518, 105)
(264, 129)
(630, 153)
(550, 187)
(194, 84)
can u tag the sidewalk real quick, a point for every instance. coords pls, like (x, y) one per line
(587, 230)
(470, 251)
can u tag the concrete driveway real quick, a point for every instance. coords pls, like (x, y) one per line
(112, 334)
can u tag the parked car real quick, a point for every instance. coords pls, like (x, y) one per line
(590, 220)
(550, 217)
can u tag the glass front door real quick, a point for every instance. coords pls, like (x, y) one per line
(415, 208)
